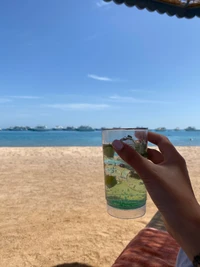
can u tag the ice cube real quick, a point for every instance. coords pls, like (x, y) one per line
(128, 140)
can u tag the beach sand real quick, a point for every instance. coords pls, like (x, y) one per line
(53, 210)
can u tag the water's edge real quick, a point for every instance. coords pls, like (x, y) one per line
(91, 139)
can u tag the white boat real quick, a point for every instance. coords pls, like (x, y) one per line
(160, 129)
(57, 128)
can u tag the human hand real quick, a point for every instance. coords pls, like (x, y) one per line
(166, 178)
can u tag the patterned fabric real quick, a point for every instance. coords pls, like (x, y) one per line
(150, 248)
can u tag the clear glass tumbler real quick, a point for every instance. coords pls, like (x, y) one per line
(124, 189)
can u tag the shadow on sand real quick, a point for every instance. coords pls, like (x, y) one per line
(73, 264)
(157, 222)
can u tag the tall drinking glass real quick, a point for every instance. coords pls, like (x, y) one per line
(124, 189)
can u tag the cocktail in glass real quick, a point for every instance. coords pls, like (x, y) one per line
(124, 189)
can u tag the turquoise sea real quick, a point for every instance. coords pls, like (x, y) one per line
(75, 138)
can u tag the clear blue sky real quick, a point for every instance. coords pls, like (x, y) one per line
(74, 62)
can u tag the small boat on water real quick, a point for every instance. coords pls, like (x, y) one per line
(69, 128)
(190, 129)
(160, 129)
(17, 128)
(84, 129)
(39, 129)
(57, 128)
(177, 129)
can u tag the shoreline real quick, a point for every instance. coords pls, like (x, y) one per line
(48, 147)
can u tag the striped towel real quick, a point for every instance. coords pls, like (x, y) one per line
(150, 248)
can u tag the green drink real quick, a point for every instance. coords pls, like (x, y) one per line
(125, 191)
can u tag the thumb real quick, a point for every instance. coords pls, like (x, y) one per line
(132, 157)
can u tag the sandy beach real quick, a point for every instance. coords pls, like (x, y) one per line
(53, 210)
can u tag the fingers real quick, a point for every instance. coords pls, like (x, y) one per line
(165, 146)
(155, 156)
(133, 158)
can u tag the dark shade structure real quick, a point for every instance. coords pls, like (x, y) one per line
(181, 8)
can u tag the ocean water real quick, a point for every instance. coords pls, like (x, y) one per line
(74, 138)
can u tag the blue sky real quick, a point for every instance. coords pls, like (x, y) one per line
(79, 62)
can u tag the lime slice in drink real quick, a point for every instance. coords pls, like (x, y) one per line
(110, 181)
(108, 151)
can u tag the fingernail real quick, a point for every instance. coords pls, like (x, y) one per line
(118, 145)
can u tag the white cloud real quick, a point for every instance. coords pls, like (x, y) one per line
(4, 100)
(101, 3)
(129, 99)
(78, 106)
(100, 78)
(25, 97)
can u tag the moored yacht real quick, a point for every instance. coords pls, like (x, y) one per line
(39, 129)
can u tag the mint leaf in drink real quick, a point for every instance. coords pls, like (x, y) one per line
(108, 151)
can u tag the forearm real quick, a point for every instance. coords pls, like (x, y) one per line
(188, 233)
